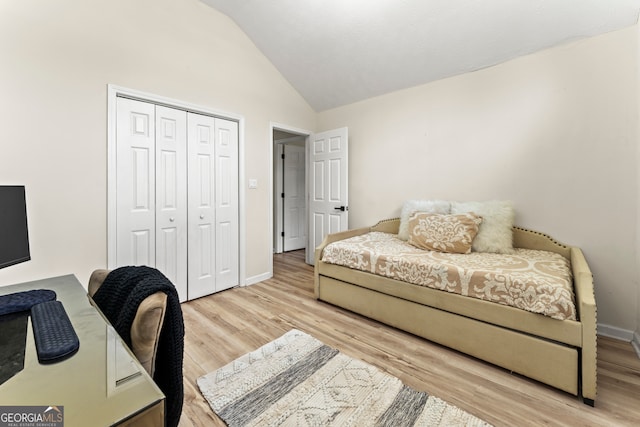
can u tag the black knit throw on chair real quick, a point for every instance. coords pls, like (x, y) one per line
(119, 297)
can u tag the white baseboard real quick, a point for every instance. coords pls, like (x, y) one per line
(259, 278)
(615, 332)
(635, 342)
(622, 335)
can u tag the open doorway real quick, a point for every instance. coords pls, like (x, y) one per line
(289, 190)
(324, 193)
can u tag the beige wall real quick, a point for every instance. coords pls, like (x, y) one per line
(57, 59)
(636, 337)
(556, 132)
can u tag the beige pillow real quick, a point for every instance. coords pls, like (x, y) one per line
(411, 206)
(443, 233)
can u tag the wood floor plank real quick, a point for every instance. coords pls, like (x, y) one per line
(224, 326)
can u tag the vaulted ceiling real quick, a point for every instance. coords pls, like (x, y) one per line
(336, 52)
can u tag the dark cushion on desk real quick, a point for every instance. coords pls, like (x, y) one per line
(53, 332)
(22, 301)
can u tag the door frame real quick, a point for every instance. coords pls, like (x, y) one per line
(295, 131)
(113, 92)
(279, 188)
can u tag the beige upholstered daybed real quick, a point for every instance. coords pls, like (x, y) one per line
(552, 344)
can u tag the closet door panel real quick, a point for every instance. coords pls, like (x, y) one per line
(226, 179)
(176, 196)
(201, 208)
(171, 196)
(135, 183)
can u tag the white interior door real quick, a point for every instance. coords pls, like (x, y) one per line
(171, 196)
(328, 187)
(226, 204)
(294, 210)
(135, 183)
(278, 193)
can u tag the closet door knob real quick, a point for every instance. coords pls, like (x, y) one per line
(172, 219)
(201, 216)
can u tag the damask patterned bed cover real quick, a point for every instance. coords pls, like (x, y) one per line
(532, 280)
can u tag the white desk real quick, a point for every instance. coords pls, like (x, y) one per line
(87, 384)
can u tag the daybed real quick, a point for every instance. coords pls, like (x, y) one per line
(560, 353)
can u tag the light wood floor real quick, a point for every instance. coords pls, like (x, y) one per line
(224, 326)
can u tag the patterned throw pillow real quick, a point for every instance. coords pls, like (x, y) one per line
(411, 206)
(443, 233)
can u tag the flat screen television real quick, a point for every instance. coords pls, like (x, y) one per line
(14, 236)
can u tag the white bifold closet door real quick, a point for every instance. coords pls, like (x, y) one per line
(213, 204)
(177, 195)
(171, 196)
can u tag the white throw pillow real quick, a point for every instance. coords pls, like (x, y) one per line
(495, 233)
(411, 206)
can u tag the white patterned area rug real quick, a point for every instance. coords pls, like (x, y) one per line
(296, 380)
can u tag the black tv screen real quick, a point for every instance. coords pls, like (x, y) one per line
(14, 237)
